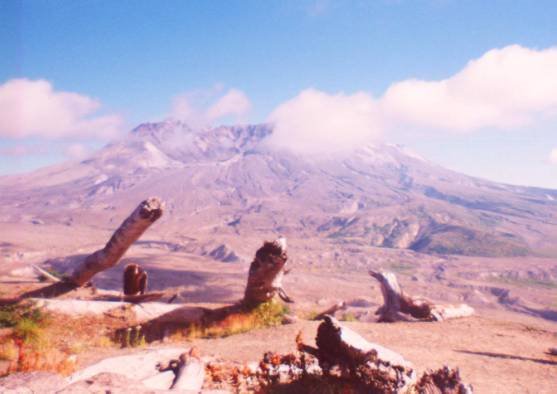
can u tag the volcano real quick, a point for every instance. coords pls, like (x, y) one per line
(230, 182)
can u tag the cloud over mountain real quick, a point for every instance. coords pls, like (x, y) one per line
(504, 89)
(34, 108)
(317, 122)
(204, 108)
(553, 156)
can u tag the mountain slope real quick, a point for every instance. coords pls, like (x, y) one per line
(228, 181)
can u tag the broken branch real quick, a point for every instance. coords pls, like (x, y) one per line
(397, 304)
(266, 273)
(129, 231)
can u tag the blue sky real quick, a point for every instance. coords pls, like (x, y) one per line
(134, 59)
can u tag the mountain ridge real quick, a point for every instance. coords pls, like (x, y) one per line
(228, 180)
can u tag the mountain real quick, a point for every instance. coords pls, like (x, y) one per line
(229, 182)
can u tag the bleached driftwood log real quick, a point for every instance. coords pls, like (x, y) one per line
(396, 304)
(188, 369)
(129, 231)
(45, 274)
(135, 280)
(146, 297)
(331, 311)
(378, 368)
(265, 274)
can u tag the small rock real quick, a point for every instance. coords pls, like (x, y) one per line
(322, 301)
(289, 319)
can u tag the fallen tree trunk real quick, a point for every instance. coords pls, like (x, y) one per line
(188, 370)
(265, 274)
(343, 362)
(378, 368)
(45, 274)
(264, 282)
(144, 297)
(129, 231)
(397, 304)
(330, 311)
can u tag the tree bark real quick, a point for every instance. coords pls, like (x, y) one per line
(45, 274)
(134, 280)
(378, 368)
(146, 297)
(331, 310)
(266, 273)
(188, 369)
(129, 231)
(443, 381)
(396, 304)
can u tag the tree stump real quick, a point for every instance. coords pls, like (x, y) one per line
(265, 274)
(135, 280)
(396, 304)
(379, 369)
(331, 310)
(129, 231)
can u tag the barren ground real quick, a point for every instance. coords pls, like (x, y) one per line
(500, 350)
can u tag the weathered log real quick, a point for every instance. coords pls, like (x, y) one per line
(378, 368)
(135, 280)
(445, 312)
(45, 274)
(144, 297)
(331, 310)
(443, 381)
(265, 274)
(129, 231)
(397, 304)
(188, 369)
(50, 291)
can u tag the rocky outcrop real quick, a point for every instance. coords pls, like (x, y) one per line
(223, 253)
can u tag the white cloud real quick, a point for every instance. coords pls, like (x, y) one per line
(204, 108)
(553, 156)
(34, 108)
(23, 150)
(505, 88)
(233, 103)
(317, 122)
(76, 151)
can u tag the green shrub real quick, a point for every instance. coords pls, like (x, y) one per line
(270, 313)
(28, 330)
(349, 316)
(12, 315)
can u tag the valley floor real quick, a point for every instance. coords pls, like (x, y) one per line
(497, 351)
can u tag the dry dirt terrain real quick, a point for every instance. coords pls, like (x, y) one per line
(502, 349)
(448, 237)
(494, 354)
